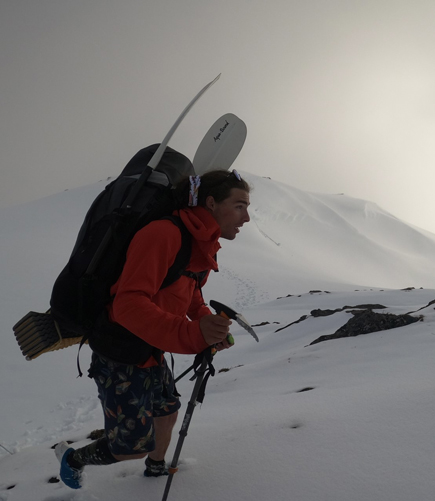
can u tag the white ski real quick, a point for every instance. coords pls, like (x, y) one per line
(221, 144)
(155, 159)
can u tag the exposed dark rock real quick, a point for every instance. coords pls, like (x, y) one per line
(227, 369)
(325, 313)
(260, 324)
(304, 317)
(366, 321)
(423, 307)
(310, 292)
(263, 323)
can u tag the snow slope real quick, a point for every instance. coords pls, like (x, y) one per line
(339, 420)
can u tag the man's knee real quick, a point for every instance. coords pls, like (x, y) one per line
(166, 421)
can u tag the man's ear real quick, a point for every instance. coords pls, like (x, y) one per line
(210, 203)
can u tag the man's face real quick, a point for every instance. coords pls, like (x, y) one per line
(231, 213)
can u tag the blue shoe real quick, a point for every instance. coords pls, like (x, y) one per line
(69, 475)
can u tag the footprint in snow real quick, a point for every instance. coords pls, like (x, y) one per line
(307, 388)
(294, 425)
(247, 292)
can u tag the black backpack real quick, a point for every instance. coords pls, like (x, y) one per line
(82, 290)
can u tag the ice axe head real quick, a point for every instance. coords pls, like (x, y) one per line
(226, 311)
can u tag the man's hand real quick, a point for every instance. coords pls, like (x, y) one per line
(215, 330)
(223, 346)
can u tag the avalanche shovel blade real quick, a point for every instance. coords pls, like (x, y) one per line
(233, 315)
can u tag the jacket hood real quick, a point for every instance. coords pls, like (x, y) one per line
(200, 223)
(205, 231)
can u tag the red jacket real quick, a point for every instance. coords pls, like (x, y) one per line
(159, 317)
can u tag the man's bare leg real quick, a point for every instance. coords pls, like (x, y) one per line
(163, 427)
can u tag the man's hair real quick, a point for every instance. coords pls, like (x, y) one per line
(217, 184)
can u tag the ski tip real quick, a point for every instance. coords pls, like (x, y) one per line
(221, 145)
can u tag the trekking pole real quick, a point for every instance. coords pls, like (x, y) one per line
(194, 365)
(184, 373)
(185, 426)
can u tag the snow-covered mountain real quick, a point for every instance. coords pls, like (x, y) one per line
(298, 241)
(343, 419)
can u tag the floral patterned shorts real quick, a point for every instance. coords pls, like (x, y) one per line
(131, 397)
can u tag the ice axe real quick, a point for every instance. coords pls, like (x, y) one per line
(227, 312)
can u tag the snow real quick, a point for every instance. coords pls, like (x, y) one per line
(344, 419)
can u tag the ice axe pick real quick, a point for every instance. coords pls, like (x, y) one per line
(227, 312)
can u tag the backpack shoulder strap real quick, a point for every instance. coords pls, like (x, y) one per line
(174, 272)
(183, 257)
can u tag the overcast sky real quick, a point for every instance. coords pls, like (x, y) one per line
(338, 96)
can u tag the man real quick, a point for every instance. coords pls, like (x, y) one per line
(139, 400)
